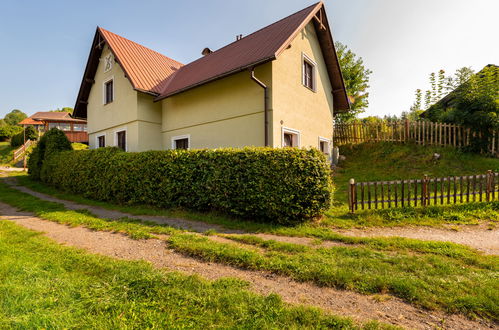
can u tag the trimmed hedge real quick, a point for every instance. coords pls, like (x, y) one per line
(285, 186)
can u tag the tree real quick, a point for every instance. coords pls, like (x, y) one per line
(64, 109)
(14, 117)
(356, 77)
(440, 84)
(8, 131)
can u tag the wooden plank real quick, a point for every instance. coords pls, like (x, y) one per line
(382, 195)
(462, 188)
(474, 188)
(369, 195)
(442, 180)
(455, 191)
(402, 199)
(435, 189)
(362, 194)
(416, 192)
(388, 193)
(376, 195)
(480, 182)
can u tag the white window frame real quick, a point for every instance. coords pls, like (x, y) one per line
(323, 139)
(180, 137)
(115, 133)
(290, 131)
(305, 58)
(104, 90)
(97, 140)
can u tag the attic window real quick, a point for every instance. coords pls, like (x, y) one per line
(308, 72)
(108, 91)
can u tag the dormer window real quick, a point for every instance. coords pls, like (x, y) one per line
(308, 73)
(108, 91)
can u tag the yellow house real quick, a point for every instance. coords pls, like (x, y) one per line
(279, 86)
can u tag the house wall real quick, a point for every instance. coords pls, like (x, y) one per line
(130, 110)
(296, 106)
(224, 113)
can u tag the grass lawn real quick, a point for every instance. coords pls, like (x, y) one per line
(45, 285)
(5, 153)
(434, 275)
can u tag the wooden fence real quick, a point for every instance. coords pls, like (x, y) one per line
(18, 153)
(423, 192)
(421, 132)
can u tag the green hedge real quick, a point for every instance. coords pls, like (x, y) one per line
(29, 133)
(52, 142)
(285, 186)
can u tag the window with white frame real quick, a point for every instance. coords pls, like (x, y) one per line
(181, 142)
(290, 138)
(324, 145)
(308, 73)
(108, 90)
(101, 141)
(79, 127)
(121, 140)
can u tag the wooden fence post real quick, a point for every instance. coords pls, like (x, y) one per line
(351, 195)
(424, 191)
(489, 185)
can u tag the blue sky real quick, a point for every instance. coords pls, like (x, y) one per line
(45, 44)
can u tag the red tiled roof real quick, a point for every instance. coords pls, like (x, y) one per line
(145, 68)
(41, 116)
(259, 47)
(30, 121)
(153, 73)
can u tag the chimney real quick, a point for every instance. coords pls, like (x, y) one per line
(206, 51)
(239, 37)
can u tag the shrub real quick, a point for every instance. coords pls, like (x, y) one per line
(18, 140)
(8, 131)
(50, 143)
(284, 186)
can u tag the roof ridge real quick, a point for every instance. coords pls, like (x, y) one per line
(150, 49)
(267, 26)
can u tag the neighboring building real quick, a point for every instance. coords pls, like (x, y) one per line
(279, 86)
(75, 129)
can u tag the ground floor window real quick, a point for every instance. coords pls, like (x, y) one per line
(324, 145)
(101, 141)
(121, 140)
(181, 142)
(290, 138)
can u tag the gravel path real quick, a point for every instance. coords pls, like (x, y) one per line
(478, 237)
(360, 307)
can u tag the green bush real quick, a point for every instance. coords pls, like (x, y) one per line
(285, 186)
(8, 131)
(50, 143)
(18, 140)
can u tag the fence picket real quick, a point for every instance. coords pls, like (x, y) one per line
(429, 191)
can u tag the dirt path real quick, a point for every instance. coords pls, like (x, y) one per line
(359, 307)
(478, 237)
(112, 214)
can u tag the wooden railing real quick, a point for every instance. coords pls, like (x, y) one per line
(423, 192)
(421, 132)
(18, 153)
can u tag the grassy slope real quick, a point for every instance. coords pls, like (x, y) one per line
(388, 161)
(45, 285)
(5, 153)
(430, 274)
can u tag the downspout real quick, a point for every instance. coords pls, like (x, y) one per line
(266, 105)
